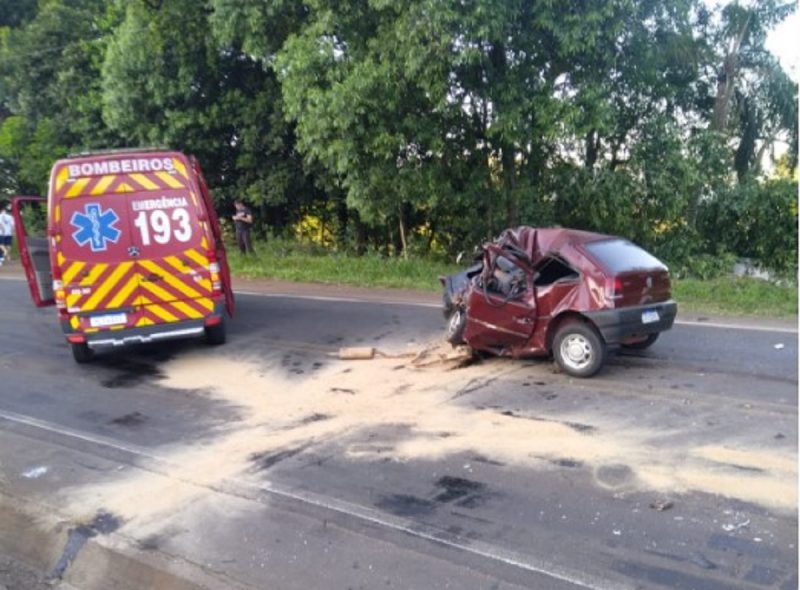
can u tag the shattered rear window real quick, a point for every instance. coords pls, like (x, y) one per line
(621, 256)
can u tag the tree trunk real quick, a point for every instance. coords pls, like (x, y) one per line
(592, 148)
(726, 80)
(401, 227)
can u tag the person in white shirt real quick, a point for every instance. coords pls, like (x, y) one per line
(6, 234)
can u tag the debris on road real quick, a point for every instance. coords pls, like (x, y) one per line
(435, 355)
(661, 505)
(779, 346)
(35, 473)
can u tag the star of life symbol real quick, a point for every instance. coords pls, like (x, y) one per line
(95, 227)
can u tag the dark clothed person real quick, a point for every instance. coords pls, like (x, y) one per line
(243, 221)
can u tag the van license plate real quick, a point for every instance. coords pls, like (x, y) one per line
(109, 319)
(650, 316)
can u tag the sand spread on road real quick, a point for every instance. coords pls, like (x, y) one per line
(340, 404)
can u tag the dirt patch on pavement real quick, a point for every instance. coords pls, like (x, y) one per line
(283, 416)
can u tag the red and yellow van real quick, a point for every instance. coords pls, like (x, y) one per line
(132, 251)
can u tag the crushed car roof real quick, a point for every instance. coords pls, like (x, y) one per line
(537, 242)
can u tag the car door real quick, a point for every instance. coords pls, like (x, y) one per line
(30, 225)
(501, 308)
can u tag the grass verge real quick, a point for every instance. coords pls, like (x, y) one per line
(736, 296)
(291, 261)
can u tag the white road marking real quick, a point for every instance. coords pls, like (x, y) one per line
(364, 513)
(333, 298)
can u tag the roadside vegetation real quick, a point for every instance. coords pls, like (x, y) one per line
(414, 130)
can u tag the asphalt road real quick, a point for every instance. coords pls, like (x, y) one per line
(269, 463)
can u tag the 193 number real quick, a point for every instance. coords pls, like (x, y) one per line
(164, 227)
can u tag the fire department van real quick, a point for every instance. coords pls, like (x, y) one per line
(132, 251)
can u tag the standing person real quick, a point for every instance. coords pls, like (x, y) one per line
(6, 234)
(243, 220)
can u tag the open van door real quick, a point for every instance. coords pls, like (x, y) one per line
(216, 231)
(30, 221)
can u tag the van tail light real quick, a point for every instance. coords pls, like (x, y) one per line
(213, 269)
(60, 295)
(76, 339)
(613, 288)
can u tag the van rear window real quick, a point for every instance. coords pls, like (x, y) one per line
(621, 256)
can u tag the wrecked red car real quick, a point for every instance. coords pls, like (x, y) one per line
(571, 294)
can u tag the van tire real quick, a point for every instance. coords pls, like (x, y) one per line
(81, 352)
(217, 334)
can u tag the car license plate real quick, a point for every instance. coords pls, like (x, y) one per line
(650, 316)
(109, 319)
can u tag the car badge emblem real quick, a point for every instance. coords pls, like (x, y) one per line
(133, 251)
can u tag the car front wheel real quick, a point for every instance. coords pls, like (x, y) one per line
(578, 349)
(455, 327)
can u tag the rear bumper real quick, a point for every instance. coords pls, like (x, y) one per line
(618, 325)
(147, 334)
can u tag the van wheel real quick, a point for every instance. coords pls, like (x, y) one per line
(217, 334)
(455, 327)
(641, 344)
(578, 349)
(81, 352)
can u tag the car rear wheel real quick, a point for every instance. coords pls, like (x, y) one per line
(81, 352)
(217, 334)
(642, 343)
(578, 349)
(455, 327)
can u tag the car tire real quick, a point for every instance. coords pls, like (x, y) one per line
(641, 344)
(217, 334)
(81, 352)
(455, 326)
(579, 349)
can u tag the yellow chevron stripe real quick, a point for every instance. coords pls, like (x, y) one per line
(124, 187)
(205, 283)
(123, 294)
(187, 310)
(72, 271)
(158, 291)
(144, 321)
(169, 180)
(60, 259)
(75, 322)
(107, 285)
(57, 214)
(194, 198)
(197, 257)
(205, 302)
(176, 263)
(145, 182)
(62, 177)
(103, 184)
(180, 168)
(204, 243)
(96, 271)
(77, 188)
(162, 313)
(170, 279)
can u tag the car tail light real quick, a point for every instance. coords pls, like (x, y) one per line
(613, 288)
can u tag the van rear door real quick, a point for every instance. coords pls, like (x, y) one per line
(30, 222)
(171, 250)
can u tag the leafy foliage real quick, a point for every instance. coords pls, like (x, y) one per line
(411, 126)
